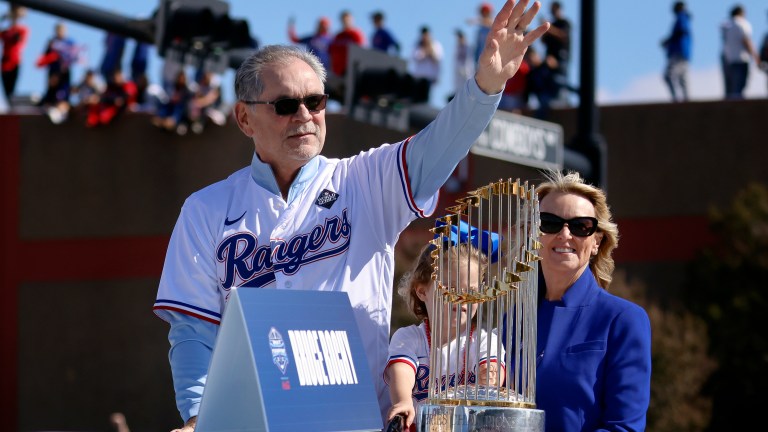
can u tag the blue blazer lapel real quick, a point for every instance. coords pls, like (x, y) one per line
(566, 316)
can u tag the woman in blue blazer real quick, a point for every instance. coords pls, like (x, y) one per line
(593, 368)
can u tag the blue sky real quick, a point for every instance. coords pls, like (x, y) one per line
(630, 60)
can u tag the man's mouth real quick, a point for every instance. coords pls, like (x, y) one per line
(300, 133)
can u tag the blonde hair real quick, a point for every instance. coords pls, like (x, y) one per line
(602, 264)
(421, 273)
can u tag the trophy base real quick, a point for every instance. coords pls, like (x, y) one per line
(462, 418)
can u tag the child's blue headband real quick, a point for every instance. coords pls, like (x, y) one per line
(485, 241)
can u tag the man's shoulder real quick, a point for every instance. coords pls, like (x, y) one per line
(223, 188)
(359, 163)
(325, 162)
(383, 147)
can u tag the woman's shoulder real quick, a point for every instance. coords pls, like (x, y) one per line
(617, 305)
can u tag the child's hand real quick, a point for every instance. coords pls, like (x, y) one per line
(486, 377)
(404, 408)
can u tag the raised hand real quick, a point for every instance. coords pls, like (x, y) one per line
(506, 44)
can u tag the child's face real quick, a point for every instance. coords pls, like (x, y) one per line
(466, 279)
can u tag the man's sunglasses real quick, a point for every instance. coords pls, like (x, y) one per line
(583, 226)
(290, 106)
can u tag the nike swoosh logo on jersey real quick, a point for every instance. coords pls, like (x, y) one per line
(228, 222)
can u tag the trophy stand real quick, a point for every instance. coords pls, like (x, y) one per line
(506, 294)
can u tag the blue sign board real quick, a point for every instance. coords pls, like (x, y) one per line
(289, 360)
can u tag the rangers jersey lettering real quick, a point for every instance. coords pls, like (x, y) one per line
(250, 265)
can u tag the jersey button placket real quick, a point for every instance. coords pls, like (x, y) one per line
(286, 217)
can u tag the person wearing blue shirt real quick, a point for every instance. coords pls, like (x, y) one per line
(60, 56)
(678, 49)
(382, 39)
(317, 42)
(593, 364)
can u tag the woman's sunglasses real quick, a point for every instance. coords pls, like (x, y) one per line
(290, 106)
(583, 226)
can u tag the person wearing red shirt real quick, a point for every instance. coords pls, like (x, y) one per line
(514, 98)
(338, 50)
(119, 95)
(14, 38)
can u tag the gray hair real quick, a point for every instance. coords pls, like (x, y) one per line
(248, 82)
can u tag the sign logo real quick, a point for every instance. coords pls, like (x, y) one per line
(322, 357)
(326, 199)
(522, 140)
(277, 345)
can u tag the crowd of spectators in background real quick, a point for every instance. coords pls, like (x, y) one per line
(188, 100)
(105, 92)
(546, 84)
(737, 54)
(542, 83)
(183, 103)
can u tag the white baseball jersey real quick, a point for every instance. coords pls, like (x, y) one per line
(241, 235)
(410, 345)
(337, 232)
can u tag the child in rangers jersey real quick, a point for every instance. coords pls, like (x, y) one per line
(408, 369)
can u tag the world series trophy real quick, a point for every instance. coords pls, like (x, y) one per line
(502, 397)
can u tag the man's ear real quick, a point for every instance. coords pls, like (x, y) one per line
(241, 116)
